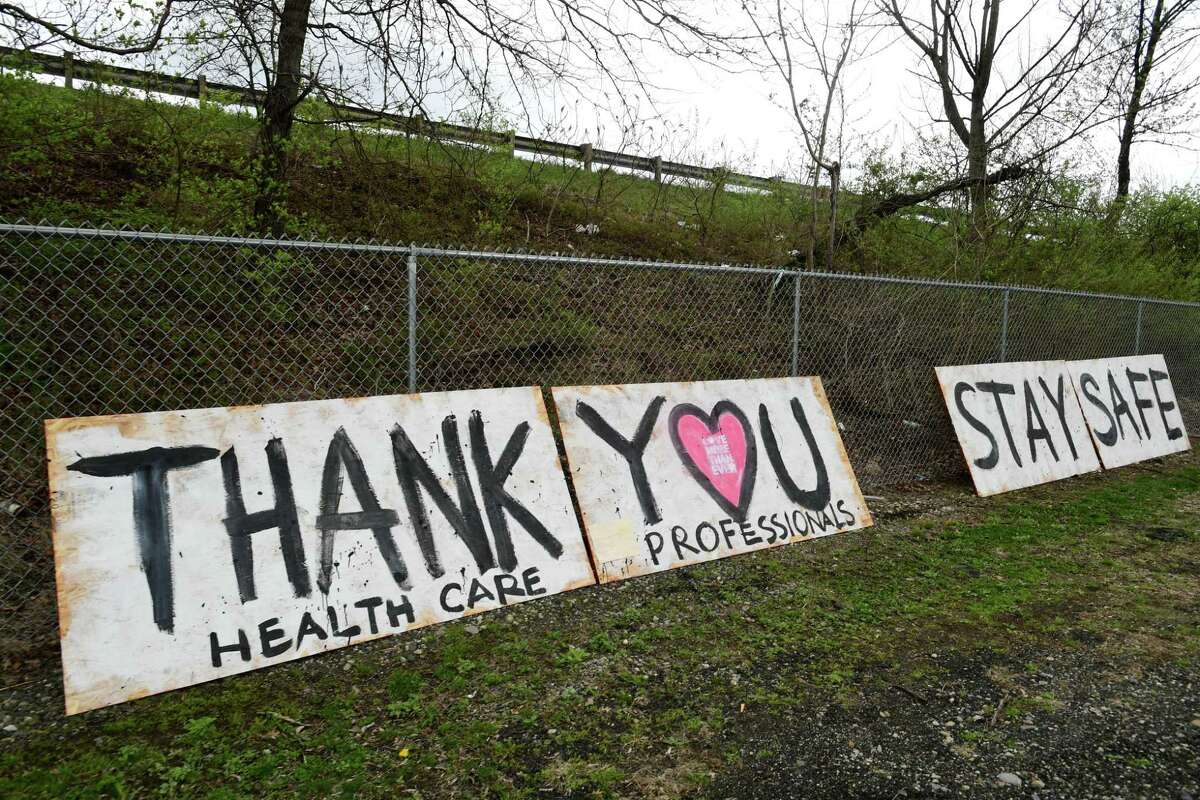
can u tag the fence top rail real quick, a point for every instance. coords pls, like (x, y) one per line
(387, 248)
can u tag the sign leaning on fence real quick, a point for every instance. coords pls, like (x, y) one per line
(1018, 424)
(1131, 408)
(196, 544)
(669, 474)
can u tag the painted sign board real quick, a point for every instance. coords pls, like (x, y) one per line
(1130, 407)
(670, 474)
(1018, 424)
(190, 545)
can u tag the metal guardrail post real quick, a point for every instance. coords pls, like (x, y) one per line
(1004, 328)
(149, 81)
(796, 324)
(412, 321)
(1137, 332)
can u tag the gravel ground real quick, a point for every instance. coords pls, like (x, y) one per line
(1072, 725)
(1078, 721)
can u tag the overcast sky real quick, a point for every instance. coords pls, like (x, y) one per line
(887, 105)
(713, 116)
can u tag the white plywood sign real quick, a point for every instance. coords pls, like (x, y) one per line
(1018, 424)
(670, 474)
(1130, 407)
(196, 544)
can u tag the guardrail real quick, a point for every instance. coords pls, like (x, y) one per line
(70, 69)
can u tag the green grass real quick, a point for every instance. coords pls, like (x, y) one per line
(589, 696)
(110, 157)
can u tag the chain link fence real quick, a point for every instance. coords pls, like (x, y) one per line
(116, 321)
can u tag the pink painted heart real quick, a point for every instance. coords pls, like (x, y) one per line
(718, 450)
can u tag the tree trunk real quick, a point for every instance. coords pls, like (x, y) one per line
(835, 180)
(977, 139)
(1143, 62)
(275, 127)
(1123, 155)
(814, 201)
(866, 216)
(978, 196)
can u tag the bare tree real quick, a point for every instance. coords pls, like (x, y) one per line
(795, 47)
(118, 27)
(998, 83)
(397, 55)
(1153, 74)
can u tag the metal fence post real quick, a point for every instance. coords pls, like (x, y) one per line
(1137, 333)
(796, 324)
(1004, 328)
(412, 320)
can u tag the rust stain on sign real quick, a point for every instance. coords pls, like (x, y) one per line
(217, 541)
(678, 473)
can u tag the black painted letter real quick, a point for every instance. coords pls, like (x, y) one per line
(995, 389)
(151, 512)
(1109, 437)
(1060, 408)
(496, 499)
(630, 449)
(240, 525)
(414, 474)
(1039, 431)
(812, 499)
(1163, 408)
(379, 521)
(993, 457)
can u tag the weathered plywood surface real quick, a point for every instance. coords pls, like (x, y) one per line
(196, 544)
(1130, 406)
(671, 474)
(1018, 423)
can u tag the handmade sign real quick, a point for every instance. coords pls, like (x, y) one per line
(1018, 424)
(1130, 407)
(670, 474)
(191, 545)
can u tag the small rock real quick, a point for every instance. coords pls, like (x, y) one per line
(1037, 783)
(10, 728)
(471, 628)
(1009, 779)
(1196, 723)
(1160, 534)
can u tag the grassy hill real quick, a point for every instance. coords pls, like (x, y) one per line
(87, 156)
